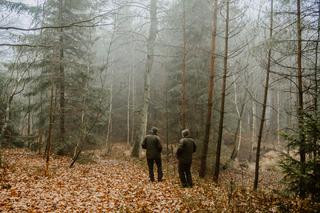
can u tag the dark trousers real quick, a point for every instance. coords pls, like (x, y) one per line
(185, 174)
(159, 168)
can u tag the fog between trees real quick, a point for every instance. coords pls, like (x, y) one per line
(89, 74)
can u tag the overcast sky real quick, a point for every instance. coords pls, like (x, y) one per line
(30, 2)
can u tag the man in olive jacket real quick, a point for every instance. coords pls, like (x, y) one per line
(184, 153)
(153, 148)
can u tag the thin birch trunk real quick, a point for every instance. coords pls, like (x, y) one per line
(238, 135)
(108, 143)
(108, 63)
(239, 125)
(253, 130)
(146, 94)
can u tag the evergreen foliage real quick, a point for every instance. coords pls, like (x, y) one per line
(81, 105)
(291, 164)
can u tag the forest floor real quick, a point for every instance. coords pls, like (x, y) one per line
(121, 185)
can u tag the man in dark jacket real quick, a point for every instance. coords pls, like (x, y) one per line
(153, 148)
(184, 153)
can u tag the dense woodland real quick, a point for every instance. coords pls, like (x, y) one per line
(84, 79)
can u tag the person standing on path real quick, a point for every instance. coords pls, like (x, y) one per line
(184, 153)
(153, 148)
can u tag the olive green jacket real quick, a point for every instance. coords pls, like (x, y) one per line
(153, 146)
(185, 150)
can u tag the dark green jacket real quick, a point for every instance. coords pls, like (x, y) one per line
(185, 150)
(153, 146)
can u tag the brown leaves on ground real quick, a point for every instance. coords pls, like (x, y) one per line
(119, 186)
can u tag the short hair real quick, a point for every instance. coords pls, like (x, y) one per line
(154, 130)
(185, 132)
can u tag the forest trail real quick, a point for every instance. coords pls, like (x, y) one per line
(112, 186)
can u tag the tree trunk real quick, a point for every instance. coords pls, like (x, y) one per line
(316, 69)
(108, 143)
(239, 124)
(223, 96)
(278, 117)
(253, 130)
(61, 77)
(167, 124)
(302, 152)
(264, 106)
(204, 151)
(133, 95)
(237, 142)
(7, 115)
(49, 139)
(146, 94)
(128, 108)
(133, 110)
(40, 132)
(41, 122)
(315, 153)
(183, 73)
(83, 126)
(130, 81)
(29, 117)
(8, 106)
